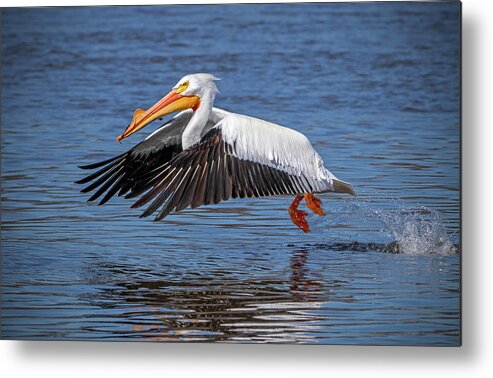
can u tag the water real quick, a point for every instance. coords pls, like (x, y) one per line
(374, 87)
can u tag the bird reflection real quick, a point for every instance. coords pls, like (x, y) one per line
(302, 287)
(218, 307)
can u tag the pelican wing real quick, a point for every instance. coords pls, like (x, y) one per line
(123, 172)
(240, 157)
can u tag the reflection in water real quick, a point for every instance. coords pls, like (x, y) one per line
(219, 308)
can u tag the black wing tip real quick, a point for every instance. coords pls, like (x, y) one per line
(93, 198)
(146, 213)
(94, 165)
(161, 216)
(103, 162)
(131, 194)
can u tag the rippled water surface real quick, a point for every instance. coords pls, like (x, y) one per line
(374, 87)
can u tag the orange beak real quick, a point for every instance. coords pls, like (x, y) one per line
(172, 102)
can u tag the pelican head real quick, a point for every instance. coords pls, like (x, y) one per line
(186, 94)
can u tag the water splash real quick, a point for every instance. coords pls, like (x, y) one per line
(399, 230)
(419, 232)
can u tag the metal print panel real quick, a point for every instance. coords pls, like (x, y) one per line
(311, 195)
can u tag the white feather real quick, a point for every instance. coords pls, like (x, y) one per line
(279, 147)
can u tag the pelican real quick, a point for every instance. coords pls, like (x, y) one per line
(205, 155)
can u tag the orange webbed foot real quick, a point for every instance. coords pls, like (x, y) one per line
(298, 217)
(314, 204)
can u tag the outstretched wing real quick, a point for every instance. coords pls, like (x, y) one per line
(240, 157)
(122, 173)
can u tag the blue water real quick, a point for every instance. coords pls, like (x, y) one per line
(374, 86)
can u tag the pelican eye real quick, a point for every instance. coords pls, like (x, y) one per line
(182, 87)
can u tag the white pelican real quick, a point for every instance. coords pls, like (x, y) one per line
(205, 155)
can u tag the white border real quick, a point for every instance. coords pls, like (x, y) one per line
(474, 359)
(31, 3)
